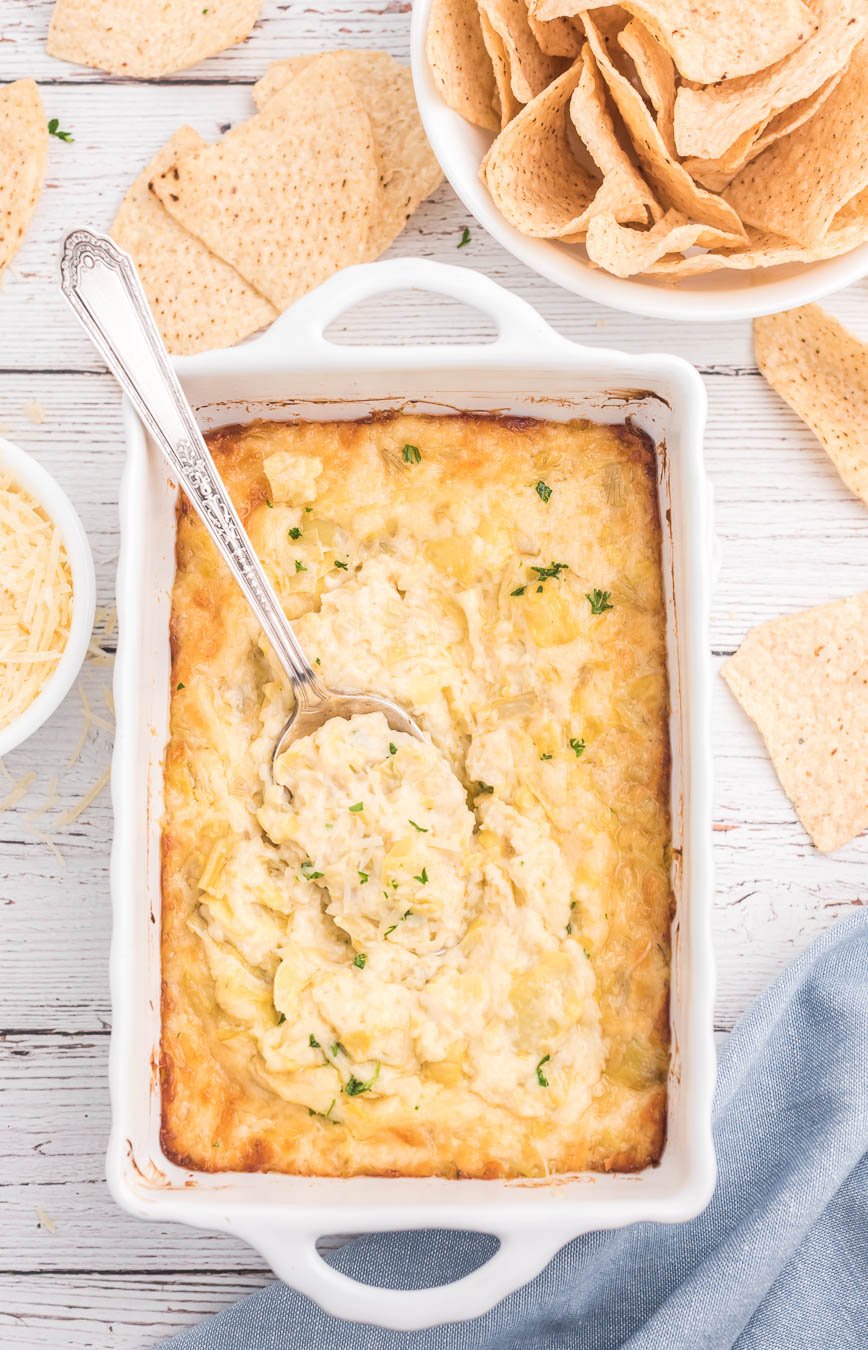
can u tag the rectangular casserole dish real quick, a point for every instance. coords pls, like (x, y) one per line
(294, 371)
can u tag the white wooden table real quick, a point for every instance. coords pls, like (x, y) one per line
(74, 1271)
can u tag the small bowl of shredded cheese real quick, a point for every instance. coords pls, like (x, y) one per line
(47, 595)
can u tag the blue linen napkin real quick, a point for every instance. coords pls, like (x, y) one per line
(776, 1262)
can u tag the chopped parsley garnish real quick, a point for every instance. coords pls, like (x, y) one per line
(317, 662)
(393, 926)
(543, 491)
(269, 503)
(421, 828)
(295, 532)
(483, 788)
(553, 570)
(354, 1087)
(308, 510)
(323, 1115)
(540, 1076)
(545, 756)
(393, 749)
(411, 454)
(422, 877)
(314, 1043)
(180, 685)
(578, 746)
(281, 1019)
(54, 130)
(599, 601)
(343, 566)
(363, 878)
(465, 238)
(307, 871)
(543, 573)
(359, 806)
(299, 566)
(338, 1048)
(360, 960)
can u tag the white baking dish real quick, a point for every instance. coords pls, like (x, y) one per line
(293, 371)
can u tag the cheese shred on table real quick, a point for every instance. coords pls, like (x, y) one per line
(35, 600)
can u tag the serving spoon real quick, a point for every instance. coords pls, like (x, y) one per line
(100, 282)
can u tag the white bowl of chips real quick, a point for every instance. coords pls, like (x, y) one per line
(47, 595)
(594, 177)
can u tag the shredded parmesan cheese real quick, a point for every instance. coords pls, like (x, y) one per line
(35, 599)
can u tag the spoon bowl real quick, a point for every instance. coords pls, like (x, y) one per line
(307, 717)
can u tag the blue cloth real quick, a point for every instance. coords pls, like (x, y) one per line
(776, 1262)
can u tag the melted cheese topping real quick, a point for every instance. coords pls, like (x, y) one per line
(35, 599)
(444, 956)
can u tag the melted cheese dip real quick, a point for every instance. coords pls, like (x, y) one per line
(448, 956)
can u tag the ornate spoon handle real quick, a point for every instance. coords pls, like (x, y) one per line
(101, 284)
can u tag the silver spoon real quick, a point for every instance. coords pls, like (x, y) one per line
(101, 284)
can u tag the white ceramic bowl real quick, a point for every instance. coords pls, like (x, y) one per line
(39, 483)
(460, 148)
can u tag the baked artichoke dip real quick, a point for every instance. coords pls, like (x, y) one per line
(404, 957)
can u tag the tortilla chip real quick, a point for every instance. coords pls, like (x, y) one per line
(624, 193)
(710, 41)
(533, 176)
(558, 37)
(797, 186)
(672, 185)
(709, 121)
(655, 71)
(459, 63)
(505, 100)
(624, 251)
(849, 229)
(530, 69)
(821, 370)
(199, 301)
(717, 174)
(280, 73)
(803, 680)
(23, 152)
(147, 38)
(290, 196)
(409, 171)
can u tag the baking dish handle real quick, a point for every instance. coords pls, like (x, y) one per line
(295, 1259)
(303, 326)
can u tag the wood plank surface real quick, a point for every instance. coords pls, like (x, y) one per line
(74, 1271)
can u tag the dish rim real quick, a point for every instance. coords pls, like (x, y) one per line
(283, 1216)
(714, 298)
